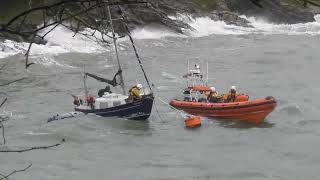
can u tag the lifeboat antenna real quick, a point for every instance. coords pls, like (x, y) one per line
(85, 82)
(188, 74)
(207, 74)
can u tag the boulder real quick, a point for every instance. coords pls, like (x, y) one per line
(229, 18)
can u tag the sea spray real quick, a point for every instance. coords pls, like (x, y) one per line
(62, 40)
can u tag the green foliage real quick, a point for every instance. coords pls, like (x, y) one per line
(292, 2)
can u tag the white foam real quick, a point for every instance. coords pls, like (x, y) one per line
(61, 40)
(204, 26)
(9, 48)
(310, 28)
(65, 41)
(152, 33)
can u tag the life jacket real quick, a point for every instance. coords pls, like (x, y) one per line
(135, 92)
(130, 90)
(214, 97)
(213, 94)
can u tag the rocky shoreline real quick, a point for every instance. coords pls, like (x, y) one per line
(229, 11)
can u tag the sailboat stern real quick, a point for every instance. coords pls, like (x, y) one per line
(142, 109)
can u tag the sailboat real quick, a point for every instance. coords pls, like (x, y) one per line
(110, 104)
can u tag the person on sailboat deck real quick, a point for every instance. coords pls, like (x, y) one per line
(231, 96)
(134, 92)
(90, 101)
(102, 91)
(214, 96)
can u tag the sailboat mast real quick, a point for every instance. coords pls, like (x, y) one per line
(116, 49)
(207, 73)
(85, 83)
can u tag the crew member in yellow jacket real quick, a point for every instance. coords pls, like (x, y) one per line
(213, 97)
(135, 92)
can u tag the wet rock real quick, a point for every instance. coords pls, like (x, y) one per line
(222, 6)
(18, 38)
(229, 18)
(39, 40)
(272, 11)
(138, 17)
(14, 37)
(158, 11)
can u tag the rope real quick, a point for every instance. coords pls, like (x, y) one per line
(158, 113)
(183, 114)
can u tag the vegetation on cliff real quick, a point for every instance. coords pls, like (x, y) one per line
(274, 11)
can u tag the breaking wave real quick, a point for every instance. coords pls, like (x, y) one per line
(62, 40)
(204, 26)
(150, 32)
(311, 28)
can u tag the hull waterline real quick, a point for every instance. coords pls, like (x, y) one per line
(138, 110)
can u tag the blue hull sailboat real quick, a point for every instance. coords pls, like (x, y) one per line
(110, 104)
(137, 110)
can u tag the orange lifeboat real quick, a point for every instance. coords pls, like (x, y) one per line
(254, 111)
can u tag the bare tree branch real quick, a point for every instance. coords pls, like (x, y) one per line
(63, 12)
(3, 176)
(17, 80)
(3, 137)
(33, 148)
(57, 22)
(1, 124)
(37, 9)
(15, 171)
(305, 2)
(28, 51)
(3, 102)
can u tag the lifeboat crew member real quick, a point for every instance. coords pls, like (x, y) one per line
(135, 92)
(231, 96)
(213, 96)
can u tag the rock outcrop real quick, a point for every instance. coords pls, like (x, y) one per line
(272, 10)
(158, 12)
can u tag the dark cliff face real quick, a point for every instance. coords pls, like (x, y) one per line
(157, 11)
(272, 10)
